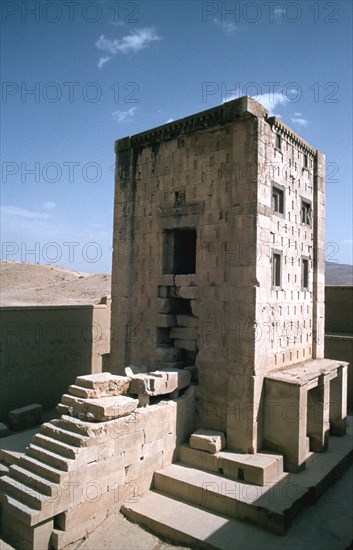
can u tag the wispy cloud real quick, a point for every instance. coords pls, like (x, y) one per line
(18, 212)
(169, 120)
(48, 205)
(124, 116)
(102, 61)
(133, 42)
(299, 121)
(227, 26)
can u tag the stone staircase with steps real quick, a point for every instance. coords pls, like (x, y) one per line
(199, 499)
(34, 486)
(78, 468)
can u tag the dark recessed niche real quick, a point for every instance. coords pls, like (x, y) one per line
(179, 251)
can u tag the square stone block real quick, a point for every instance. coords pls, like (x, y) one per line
(208, 440)
(25, 417)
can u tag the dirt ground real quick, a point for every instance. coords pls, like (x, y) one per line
(34, 284)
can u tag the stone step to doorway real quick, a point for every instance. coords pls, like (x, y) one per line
(262, 506)
(186, 503)
(184, 523)
(258, 469)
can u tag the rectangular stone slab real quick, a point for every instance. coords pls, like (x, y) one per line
(208, 440)
(160, 382)
(103, 384)
(25, 417)
(101, 409)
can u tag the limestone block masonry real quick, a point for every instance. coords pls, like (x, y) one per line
(218, 269)
(219, 258)
(84, 465)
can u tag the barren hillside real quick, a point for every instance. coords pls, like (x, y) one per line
(33, 284)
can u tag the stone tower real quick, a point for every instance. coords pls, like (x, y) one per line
(219, 263)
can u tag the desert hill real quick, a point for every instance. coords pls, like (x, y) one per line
(339, 274)
(34, 284)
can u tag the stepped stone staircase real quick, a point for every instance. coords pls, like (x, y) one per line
(79, 467)
(199, 499)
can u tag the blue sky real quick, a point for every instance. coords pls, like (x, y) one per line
(78, 75)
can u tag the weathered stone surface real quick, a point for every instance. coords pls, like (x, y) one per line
(25, 417)
(99, 385)
(190, 345)
(160, 382)
(131, 370)
(186, 280)
(188, 292)
(4, 430)
(168, 354)
(183, 333)
(186, 321)
(208, 440)
(101, 409)
(165, 320)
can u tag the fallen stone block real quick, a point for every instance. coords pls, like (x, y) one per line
(208, 440)
(131, 370)
(25, 417)
(160, 382)
(99, 385)
(101, 409)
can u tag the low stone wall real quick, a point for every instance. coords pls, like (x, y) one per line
(43, 348)
(338, 309)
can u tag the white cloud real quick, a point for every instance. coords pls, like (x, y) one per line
(49, 205)
(271, 100)
(169, 120)
(227, 26)
(102, 61)
(133, 42)
(300, 121)
(18, 212)
(124, 116)
(297, 114)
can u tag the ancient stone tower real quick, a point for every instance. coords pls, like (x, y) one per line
(219, 264)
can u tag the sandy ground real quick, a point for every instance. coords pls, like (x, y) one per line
(33, 284)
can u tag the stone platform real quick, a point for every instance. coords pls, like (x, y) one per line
(181, 491)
